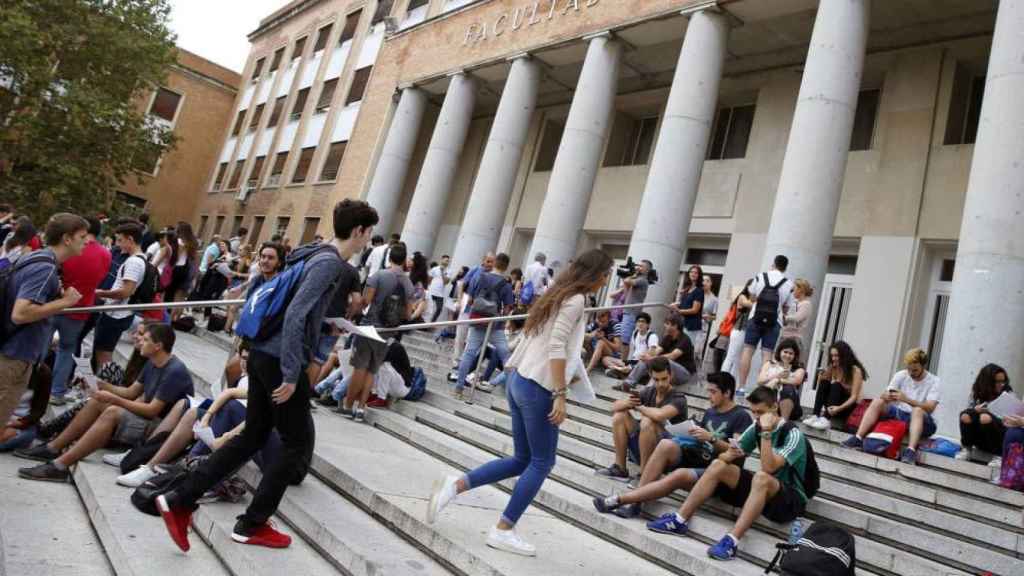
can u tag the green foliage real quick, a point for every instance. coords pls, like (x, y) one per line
(72, 76)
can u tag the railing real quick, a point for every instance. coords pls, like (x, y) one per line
(490, 322)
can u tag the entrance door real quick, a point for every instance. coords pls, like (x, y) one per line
(939, 289)
(830, 325)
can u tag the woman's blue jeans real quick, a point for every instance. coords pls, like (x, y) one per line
(535, 439)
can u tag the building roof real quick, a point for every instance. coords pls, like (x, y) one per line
(199, 65)
(283, 14)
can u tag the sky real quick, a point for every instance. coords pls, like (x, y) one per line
(217, 29)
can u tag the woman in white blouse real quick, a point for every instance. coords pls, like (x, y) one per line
(544, 363)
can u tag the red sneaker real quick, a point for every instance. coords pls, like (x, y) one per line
(177, 521)
(376, 402)
(262, 535)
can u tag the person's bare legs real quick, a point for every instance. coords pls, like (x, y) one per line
(622, 427)
(103, 357)
(763, 488)
(682, 479)
(600, 351)
(179, 439)
(78, 425)
(666, 452)
(360, 378)
(871, 416)
(745, 358)
(96, 437)
(916, 427)
(650, 435)
(718, 473)
(327, 368)
(172, 418)
(786, 408)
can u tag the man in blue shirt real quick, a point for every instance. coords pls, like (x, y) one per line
(490, 295)
(33, 296)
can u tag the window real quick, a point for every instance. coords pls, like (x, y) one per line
(731, 134)
(282, 226)
(383, 11)
(256, 117)
(305, 159)
(238, 123)
(964, 107)
(309, 230)
(147, 158)
(300, 103)
(323, 104)
(275, 114)
(236, 175)
(203, 220)
(220, 175)
(300, 45)
(276, 62)
(258, 69)
(705, 257)
(133, 201)
(359, 81)
(548, 149)
(333, 162)
(257, 169)
(864, 120)
(278, 169)
(219, 226)
(165, 104)
(641, 142)
(351, 22)
(257, 228)
(321, 38)
(414, 4)
(236, 225)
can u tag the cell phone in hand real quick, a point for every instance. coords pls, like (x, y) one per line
(734, 444)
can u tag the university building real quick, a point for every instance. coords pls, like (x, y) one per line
(841, 133)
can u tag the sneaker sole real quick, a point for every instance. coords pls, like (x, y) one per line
(42, 478)
(246, 540)
(663, 531)
(726, 559)
(168, 518)
(36, 458)
(501, 546)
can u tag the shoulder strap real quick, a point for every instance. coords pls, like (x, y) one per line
(779, 285)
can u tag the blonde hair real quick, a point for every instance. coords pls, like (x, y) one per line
(916, 356)
(804, 287)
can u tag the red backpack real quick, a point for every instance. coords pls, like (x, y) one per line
(886, 438)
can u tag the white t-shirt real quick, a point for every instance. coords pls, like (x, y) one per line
(927, 390)
(641, 344)
(537, 274)
(376, 259)
(243, 384)
(786, 300)
(152, 251)
(134, 269)
(437, 281)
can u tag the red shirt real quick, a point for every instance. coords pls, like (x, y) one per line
(85, 272)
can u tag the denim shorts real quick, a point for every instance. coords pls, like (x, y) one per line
(109, 330)
(324, 347)
(633, 447)
(766, 336)
(894, 413)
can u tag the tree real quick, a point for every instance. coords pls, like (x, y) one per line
(73, 78)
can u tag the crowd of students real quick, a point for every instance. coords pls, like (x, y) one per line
(289, 356)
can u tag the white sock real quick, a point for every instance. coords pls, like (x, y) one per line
(680, 519)
(612, 500)
(59, 466)
(735, 540)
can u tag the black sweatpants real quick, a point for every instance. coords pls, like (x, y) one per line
(832, 394)
(438, 307)
(294, 425)
(987, 437)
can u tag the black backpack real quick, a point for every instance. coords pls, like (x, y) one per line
(393, 310)
(147, 289)
(824, 550)
(811, 481)
(8, 293)
(767, 313)
(487, 304)
(144, 497)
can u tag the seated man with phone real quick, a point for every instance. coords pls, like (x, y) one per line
(722, 421)
(775, 491)
(659, 402)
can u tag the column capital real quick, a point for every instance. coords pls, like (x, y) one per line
(459, 72)
(520, 56)
(709, 5)
(406, 86)
(606, 34)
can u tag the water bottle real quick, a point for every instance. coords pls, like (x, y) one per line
(796, 531)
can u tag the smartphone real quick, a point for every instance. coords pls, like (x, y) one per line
(734, 444)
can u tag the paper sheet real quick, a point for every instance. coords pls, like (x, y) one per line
(681, 429)
(364, 331)
(1006, 405)
(204, 434)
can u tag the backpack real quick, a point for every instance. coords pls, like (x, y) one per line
(527, 294)
(393, 310)
(886, 438)
(148, 288)
(824, 550)
(8, 293)
(725, 328)
(144, 497)
(184, 324)
(767, 313)
(811, 481)
(262, 315)
(487, 304)
(418, 387)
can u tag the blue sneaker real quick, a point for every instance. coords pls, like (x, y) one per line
(668, 524)
(724, 550)
(853, 442)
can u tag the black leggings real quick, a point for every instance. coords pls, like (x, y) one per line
(438, 307)
(832, 394)
(987, 437)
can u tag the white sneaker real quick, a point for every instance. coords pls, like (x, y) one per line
(484, 386)
(115, 459)
(137, 477)
(444, 493)
(821, 423)
(996, 462)
(810, 420)
(964, 454)
(509, 541)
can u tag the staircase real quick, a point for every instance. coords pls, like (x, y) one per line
(362, 510)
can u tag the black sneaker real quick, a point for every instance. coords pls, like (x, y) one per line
(614, 472)
(325, 399)
(40, 453)
(359, 415)
(601, 506)
(627, 511)
(47, 472)
(346, 412)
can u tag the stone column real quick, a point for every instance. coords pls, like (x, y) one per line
(807, 201)
(492, 190)
(430, 200)
(393, 165)
(579, 154)
(985, 321)
(671, 191)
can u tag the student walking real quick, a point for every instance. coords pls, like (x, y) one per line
(544, 364)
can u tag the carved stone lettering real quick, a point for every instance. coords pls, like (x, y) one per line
(527, 15)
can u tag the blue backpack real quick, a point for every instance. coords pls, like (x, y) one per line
(262, 315)
(418, 387)
(527, 294)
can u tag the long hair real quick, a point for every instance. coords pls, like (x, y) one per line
(419, 273)
(188, 238)
(792, 344)
(687, 283)
(985, 388)
(579, 278)
(847, 360)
